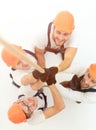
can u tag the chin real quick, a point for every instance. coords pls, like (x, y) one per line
(59, 44)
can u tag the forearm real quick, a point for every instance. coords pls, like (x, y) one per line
(38, 85)
(58, 103)
(40, 56)
(68, 58)
(57, 97)
(27, 79)
(64, 65)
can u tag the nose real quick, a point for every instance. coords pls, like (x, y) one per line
(25, 65)
(86, 82)
(61, 37)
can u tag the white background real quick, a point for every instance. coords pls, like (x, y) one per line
(20, 22)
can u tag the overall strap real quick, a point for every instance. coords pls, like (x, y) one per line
(20, 96)
(62, 51)
(13, 82)
(48, 34)
(42, 96)
(30, 53)
(88, 90)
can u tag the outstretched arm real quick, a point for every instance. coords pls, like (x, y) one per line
(58, 103)
(40, 56)
(29, 79)
(68, 58)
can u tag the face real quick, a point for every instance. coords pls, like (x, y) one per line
(88, 81)
(60, 37)
(22, 65)
(28, 105)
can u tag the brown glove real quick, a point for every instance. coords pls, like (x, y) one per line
(51, 80)
(75, 83)
(48, 76)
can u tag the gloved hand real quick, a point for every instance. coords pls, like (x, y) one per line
(48, 76)
(51, 80)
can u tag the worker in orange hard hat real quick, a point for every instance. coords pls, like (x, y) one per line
(26, 77)
(64, 21)
(58, 42)
(82, 88)
(18, 66)
(19, 113)
(14, 61)
(30, 108)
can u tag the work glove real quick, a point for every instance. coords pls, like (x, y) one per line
(48, 76)
(51, 80)
(75, 83)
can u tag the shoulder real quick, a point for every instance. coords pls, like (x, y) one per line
(37, 118)
(73, 41)
(71, 49)
(41, 40)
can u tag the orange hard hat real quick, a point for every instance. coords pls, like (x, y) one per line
(9, 58)
(16, 114)
(64, 21)
(92, 71)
